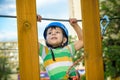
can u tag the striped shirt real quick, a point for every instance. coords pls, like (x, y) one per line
(63, 60)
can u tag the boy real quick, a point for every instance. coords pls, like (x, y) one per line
(57, 55)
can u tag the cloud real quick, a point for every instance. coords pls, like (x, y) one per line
(52, 8)
(8, 36)
(42, 3)
(8, 7)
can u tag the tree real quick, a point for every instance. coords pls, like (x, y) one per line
(5, 70)
(111, 40)
(8, 61)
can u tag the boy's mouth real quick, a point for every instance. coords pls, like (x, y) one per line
(54, 38)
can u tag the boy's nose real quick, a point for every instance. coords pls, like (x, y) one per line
(53, 33)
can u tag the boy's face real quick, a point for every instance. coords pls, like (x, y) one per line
(55, 37)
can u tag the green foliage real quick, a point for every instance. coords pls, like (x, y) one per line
(5, 70)
(83, 77)
(111, 40)
(112, 61)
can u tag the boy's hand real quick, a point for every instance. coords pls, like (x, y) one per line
(73, 21)
(39, 18)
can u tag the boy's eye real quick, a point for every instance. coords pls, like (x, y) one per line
(50, 33)
(57, 32)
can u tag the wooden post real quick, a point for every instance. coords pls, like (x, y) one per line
(27, 40)
(92, 40)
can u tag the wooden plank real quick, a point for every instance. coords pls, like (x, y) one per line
(92, 40)
(27, 40)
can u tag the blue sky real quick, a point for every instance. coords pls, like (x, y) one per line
(56, 9)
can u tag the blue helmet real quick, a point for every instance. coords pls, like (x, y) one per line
(56, 24)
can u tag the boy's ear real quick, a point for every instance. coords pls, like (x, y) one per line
(64, 40)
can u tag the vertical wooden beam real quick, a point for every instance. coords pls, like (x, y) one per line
(27, 40)
(92, 40)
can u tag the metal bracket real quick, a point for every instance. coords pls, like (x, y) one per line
(103, 27)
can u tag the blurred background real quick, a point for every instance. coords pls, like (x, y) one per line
(9, 58)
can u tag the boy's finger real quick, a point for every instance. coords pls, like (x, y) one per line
(39, 18)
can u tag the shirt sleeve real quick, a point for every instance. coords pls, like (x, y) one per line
(43, 50)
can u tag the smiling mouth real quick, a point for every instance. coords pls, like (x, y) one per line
(54, 38)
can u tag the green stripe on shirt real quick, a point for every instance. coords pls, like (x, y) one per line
(60, 55)
(58, 76)
(40, 49)
(58, 70)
